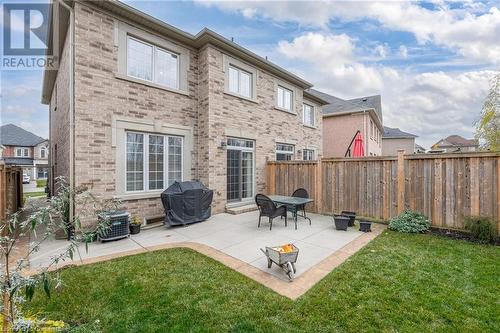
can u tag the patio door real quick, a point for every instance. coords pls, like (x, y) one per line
(240, 169)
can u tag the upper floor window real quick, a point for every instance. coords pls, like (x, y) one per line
(308, 154)
(151, 63)
(284, 152)
(22, 152)
(43, 152)
(240, 82)
(284, 98)
(308, 111)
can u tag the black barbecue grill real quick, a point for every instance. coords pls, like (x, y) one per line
(186, 202)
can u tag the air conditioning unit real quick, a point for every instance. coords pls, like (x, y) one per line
(118, 225)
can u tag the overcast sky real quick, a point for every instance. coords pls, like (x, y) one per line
(431, 62)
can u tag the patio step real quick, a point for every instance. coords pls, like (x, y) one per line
(241, 209)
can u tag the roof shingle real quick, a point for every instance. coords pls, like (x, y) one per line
(339, 105)
(394, 132)
(12, 135)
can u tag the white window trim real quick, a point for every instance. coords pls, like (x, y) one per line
(145, 159)
(284, 152)
(120, 125)
(313, 108)
(23, 150)
(294, 101)
(44, 149)
(231, 62)
(292, 97)
(240, 70)
(123, 30)
(153, 63)
(313, 154)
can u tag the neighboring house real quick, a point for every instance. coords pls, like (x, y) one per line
(395, 139)
(419, 149)
(25, 149)
(343, 118)
(154, 104)
(453, 144)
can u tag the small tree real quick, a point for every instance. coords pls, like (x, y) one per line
(17, 287)
(488, 125)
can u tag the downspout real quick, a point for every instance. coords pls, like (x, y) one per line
(365, 133)
(71, 109)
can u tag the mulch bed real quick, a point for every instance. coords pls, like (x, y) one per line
(457, 234)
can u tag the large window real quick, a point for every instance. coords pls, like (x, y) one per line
(157, 166)
(22, 152)
(284, 99)
(151, 63)
(308, 111)
(308, 154)
(240, 82)
(284, 152)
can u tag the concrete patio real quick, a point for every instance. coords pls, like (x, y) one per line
(234, 235)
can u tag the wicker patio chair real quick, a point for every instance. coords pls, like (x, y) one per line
(300, 193)
(268, 208)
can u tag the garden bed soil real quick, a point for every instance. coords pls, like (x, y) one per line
(457, 234)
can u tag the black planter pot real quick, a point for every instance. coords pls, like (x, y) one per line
(135, 229)
(341, 222)
(350, 215)
(365, 226)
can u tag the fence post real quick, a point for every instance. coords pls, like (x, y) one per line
(401, 180)
(319, 187)
(271, 178)
(498, 195)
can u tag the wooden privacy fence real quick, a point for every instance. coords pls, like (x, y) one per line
(445, 187)
(11, 190)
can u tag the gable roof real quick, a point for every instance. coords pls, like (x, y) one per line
(12, 135)
(369, 102)
(202, 38)
(419, 147)
(456, 141)
(340, 106)
(394, 132)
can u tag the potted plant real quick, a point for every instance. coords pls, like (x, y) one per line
(135, 225)
(365, 226)
(341, 222)
(350, 215)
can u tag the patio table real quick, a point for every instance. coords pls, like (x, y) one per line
(293, 202)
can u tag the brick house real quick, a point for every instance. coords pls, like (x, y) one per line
(153, 105)
(19, 147)
(343, 118)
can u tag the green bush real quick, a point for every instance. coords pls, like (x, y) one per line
(482, 229)
(41, 182)
(410, 222)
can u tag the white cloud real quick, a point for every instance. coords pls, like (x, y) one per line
(432, 105)
(469, 31)
(403, 51)
(381, 51)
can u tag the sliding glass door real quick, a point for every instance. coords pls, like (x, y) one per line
(240, 169)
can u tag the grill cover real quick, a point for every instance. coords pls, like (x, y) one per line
(186, 202)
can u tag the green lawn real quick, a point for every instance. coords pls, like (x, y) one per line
(397, 283)
(27, 195)
(41, 182)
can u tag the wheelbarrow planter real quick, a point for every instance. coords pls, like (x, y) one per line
(285, 260)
